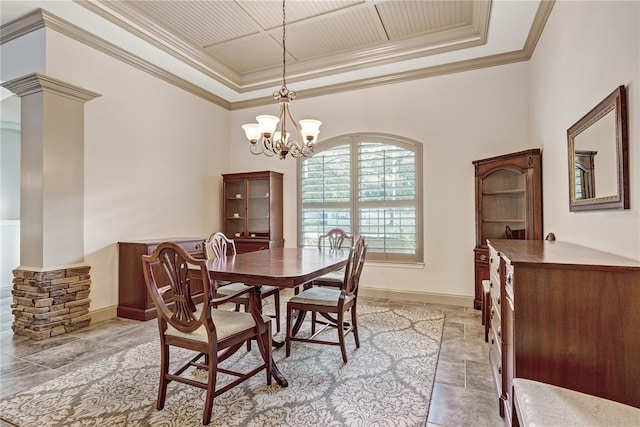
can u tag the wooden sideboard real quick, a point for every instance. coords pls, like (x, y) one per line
(565, 315)
(133, 300)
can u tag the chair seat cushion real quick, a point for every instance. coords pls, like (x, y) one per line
(319, 296)
(227, 323)
(235, 287)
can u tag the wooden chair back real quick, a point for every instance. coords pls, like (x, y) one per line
(519, 234)
(352, 270)
(168, 273)
(334, 239)
(218, 245)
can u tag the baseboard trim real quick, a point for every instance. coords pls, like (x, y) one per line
(104, 314)
(458, 300)
(108, 313)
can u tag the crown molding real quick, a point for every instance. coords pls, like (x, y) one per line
(539, 22)
(43, 18)
(405, 76)
(20, 27)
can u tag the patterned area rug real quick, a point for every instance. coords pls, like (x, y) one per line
(387, 382)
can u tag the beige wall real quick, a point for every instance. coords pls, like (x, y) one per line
(153, 158)
(586, 51)
(458, 118)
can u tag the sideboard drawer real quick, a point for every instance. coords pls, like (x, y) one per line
(495, 360)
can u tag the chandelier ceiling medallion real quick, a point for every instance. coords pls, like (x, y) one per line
(264, 137)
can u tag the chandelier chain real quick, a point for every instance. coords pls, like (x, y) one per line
(284, 46)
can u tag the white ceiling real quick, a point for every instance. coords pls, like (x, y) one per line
(232, 50)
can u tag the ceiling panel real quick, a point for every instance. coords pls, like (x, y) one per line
(412, 18)
(336, 34)
(249, 54)
(268, 13)
(200, 22)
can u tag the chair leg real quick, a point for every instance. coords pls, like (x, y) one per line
(340, 329)
(276, 300)
(313, 322)
(288, 335)
(164, 370)
(354, 324)
(211, 389)
(246, 309)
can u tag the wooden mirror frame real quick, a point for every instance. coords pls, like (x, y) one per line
(617, 102)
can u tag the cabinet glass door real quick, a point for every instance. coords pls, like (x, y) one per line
(235, 202)
(503, 204)
(258, 208)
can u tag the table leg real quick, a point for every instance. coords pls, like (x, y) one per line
(256, 289)
(276, 374)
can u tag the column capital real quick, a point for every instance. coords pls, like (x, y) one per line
(36, 82)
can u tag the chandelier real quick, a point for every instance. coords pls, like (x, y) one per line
(264, 137)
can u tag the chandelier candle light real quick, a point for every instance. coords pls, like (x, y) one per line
(279, 142)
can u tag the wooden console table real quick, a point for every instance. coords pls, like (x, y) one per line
(565, 315)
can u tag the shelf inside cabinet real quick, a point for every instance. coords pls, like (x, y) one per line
(504, 220)
(516, 191)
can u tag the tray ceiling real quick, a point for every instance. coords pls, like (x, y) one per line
(238, 44)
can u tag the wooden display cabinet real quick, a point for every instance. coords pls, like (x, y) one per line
(134, 301)
(252, 210)
(508, 193)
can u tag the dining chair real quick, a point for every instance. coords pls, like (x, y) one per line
(212, 333)
(333, 240)
(219, 245)
(336, 301)
(519, 234)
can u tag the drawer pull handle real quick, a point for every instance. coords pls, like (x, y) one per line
(509, 279)
(492, 312)
(499, 332)
(498, 301)
(492, 342)
(500, 372)
(491, 260)
(199, 246)
(483, 257)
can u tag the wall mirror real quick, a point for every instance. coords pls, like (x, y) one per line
(598, 156)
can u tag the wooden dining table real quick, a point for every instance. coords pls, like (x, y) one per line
(281, 267)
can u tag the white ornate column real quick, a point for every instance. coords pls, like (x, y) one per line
(51, 285)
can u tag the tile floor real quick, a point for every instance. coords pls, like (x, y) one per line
(463, 395)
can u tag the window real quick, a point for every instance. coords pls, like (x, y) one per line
(368, 184)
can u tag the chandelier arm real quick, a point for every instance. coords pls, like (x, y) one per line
(295, 123)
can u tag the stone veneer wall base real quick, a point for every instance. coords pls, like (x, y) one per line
(50, 303)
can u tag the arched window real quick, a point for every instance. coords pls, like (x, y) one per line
(369, 184)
